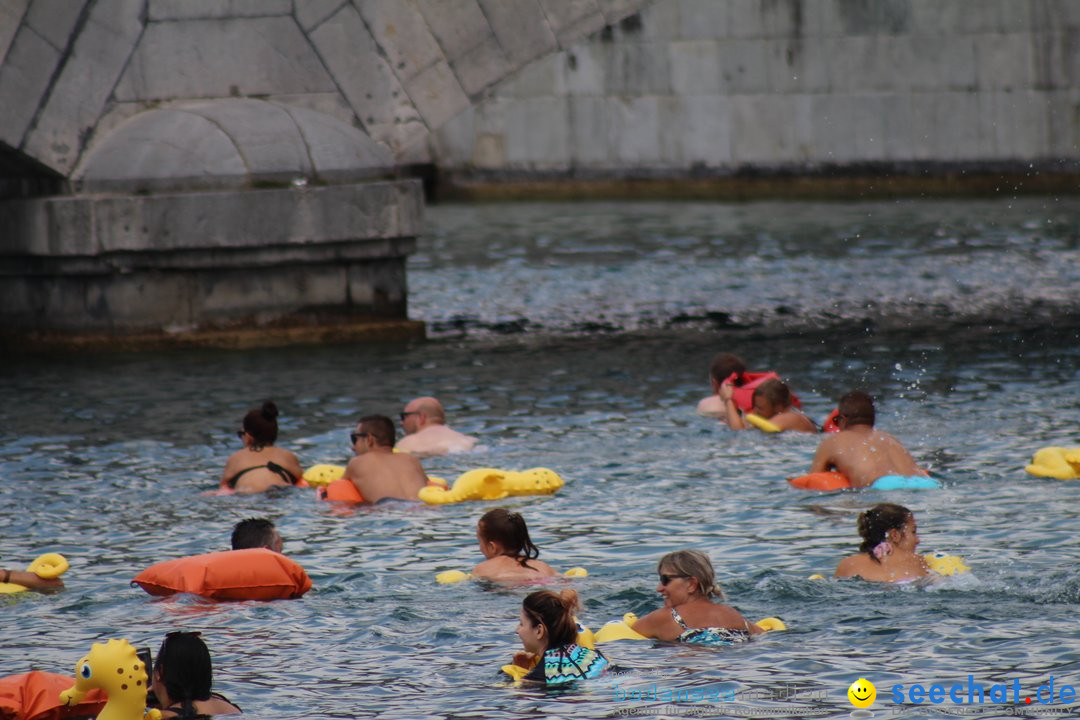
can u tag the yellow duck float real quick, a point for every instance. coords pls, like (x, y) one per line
(115, 668)
(46, 567)
(1056, 462)
(493, 484)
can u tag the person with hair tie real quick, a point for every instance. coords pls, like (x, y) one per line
(548, 632)
(688, 584)
(260, 465)
(511, 555)
(887, 553)
(182, 679)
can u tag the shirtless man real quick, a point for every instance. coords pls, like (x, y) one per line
(426, 433)
(859, 451)
(377, 471)
(721, 368)
(772, 401)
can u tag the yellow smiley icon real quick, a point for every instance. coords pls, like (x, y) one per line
(862, 693)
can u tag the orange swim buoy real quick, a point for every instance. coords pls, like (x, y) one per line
(36, 696)
(831, 480)
(341, 490)
(252, 574)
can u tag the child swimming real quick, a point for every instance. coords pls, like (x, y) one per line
(772, 402)
(887, 553)
(548, 632)
(511, 555)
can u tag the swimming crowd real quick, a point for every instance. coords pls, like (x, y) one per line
(553, 649)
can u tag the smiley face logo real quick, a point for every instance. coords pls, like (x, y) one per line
(862, 693)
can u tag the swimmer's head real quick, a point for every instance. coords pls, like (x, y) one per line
(722, 366)
(547, 619)
(501, 532)
(770, 398)
(855, 408)
(887, 522)
(695, 567)
(256, 533)
(261, 424)
(183, 667)
(379, 428)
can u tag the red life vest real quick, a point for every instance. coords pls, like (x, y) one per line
(744, 394)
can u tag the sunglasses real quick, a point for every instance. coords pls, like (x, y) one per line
(241, 433)
(665, 579)
(407, 414)
(356, 436)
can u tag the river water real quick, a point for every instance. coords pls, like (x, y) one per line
(577, 337)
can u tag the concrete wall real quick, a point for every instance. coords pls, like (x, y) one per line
(714, 86)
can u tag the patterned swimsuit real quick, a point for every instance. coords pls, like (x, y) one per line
(567, 663)
(708, 636)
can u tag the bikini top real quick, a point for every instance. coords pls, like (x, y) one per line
(710, 635)
(181, 712)
(567, 663)
(270, 465)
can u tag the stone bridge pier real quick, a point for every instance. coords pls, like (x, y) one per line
(230, 172)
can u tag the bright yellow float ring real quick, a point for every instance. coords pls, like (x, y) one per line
(46, 567)
(449, 577)
(762, 424)
(624, 629)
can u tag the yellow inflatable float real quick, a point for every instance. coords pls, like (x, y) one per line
(1056, 462)
(449, 577)
(939, 562)
(624, 630)
(762, 424)
(46, 567)
(115, 668)
(493, 484)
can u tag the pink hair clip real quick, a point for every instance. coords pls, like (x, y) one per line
(882, 549)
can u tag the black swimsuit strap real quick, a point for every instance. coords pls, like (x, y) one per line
(270, 465)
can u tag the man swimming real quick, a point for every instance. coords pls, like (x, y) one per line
(859, 451)
(377, 471)
(426, 433)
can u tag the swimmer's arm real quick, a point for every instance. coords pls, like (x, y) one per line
(294, 466)
(793, 420)
(32, 581)
(228, 472)
(652, 625)
(354, 473)
(823, 457)
(732, 416)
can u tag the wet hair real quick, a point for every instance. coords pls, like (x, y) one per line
(261, 424)
(692, 564)
(857, 408)
(774, 392)
(381, 428)
(875, 524)
(184, 663)
(252, 533)
(508, 529)
(724, 364)
(555, 611)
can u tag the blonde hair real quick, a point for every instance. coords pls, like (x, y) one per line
(692, 564)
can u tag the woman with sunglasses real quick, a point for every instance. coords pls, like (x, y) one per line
(688, 584)
(259, 465)
(182, 679)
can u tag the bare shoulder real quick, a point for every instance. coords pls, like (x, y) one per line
(652, 625)
(849, 566)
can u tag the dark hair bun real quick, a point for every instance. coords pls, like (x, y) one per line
(269, 410)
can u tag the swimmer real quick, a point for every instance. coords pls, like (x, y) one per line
(377, 471)
(772, 401)
(511, 555)
(182, 679)
(688, 584)
(548, 632)
(721, 368)
(860, 451)
(426, 433)
(30, 580)
(260, 465)
(256, 533)
(887, 553)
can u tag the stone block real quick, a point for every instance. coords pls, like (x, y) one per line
(636, 129)
(1063, 135)
(742, 66)
(870, 64)
(868, 17)
(24, 80)
(366, 80)
(11, 16)
(632, 68)
(378, 287)
(616, 10)
(332, 104)
(696, 68)
(942, 63)
(870, 138)
(437, 94)
(834, 122)
(537, 133)
(1004, 61)
(957, 17)
(585, 69)
(481, 67)
(1057, 60)
(263, 133)
(570, 20)
(746, 19)
(54, 20)
(312, 13)
(794, 65)
(158, 10)
(705, 132)
(223, 58)
(403, 35)
(455, 140)
(458, 25)
(521, 28)
(544, 78)
(591, 131)
(761, 131)
(1021, 125)
(896, 113)
(660, 22)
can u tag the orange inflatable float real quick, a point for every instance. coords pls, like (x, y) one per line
(344, 490)
(252, 574)
(36, 696)
(831, 480)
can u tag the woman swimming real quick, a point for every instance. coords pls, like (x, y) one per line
(687, 584)
(887, 553)
(183, 676)
(548, 632)
(511, 555)
(259, 465)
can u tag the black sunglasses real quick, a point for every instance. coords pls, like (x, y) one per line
(241, 433)
(665, 579)
(356, 436)
(407, 414)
